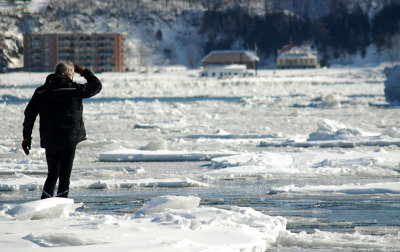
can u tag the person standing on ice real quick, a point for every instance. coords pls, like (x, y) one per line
(59, 105)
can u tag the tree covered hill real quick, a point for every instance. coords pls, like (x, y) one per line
(165, 32)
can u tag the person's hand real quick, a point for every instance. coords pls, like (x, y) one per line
(26, 145)
(79, 69)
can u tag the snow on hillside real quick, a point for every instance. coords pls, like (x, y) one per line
(157, 32)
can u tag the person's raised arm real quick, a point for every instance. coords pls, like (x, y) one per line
(93, 85)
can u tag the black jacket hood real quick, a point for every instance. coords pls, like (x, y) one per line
(56, 81)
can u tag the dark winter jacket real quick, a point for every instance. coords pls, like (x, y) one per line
(59, 105)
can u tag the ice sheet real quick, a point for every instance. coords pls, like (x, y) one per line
(174, 113)
(159, 155)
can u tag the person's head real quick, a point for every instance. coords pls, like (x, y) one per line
(65, 68)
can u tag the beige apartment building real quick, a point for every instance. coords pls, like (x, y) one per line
(100, 52)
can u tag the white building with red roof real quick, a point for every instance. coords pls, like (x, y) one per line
(297, 57)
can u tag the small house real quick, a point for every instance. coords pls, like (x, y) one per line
(229, 63)
(231, 57)
(297, 57)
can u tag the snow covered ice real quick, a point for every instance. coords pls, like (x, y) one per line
(289, 160)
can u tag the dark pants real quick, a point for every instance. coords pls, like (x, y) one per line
(59, 163)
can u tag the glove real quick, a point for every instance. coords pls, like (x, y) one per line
(26, 145)
(79, 69)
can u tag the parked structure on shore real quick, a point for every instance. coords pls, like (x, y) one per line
(100, 52)
(297, 57)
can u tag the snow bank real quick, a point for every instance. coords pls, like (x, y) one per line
(392, 84)
(162, 203)
(160, 155)
(167, 223)
(49, 208)
(177, 223)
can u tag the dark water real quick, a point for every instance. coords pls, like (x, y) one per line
(304, 212)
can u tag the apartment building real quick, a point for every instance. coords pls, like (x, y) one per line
(100, 52)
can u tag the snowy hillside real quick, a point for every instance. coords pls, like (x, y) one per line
(163, 32)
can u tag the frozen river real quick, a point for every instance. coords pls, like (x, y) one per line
(316, 152)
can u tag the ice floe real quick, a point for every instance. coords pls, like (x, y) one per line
(159, 155)
(50, 208)
(30, 183)
(332, 133)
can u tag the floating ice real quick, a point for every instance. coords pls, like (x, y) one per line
(371, 188)
(332, 130)
(161, 155)
(317, 163)
(330, 101)
(260, 159)
(321, 240)
(20, 182)
(159, 204)
(49, 208)
(331, 133)
(34, 183)
(60, 240)
(391, 132)
(156, 145)
(169, 223)
(233, 136)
